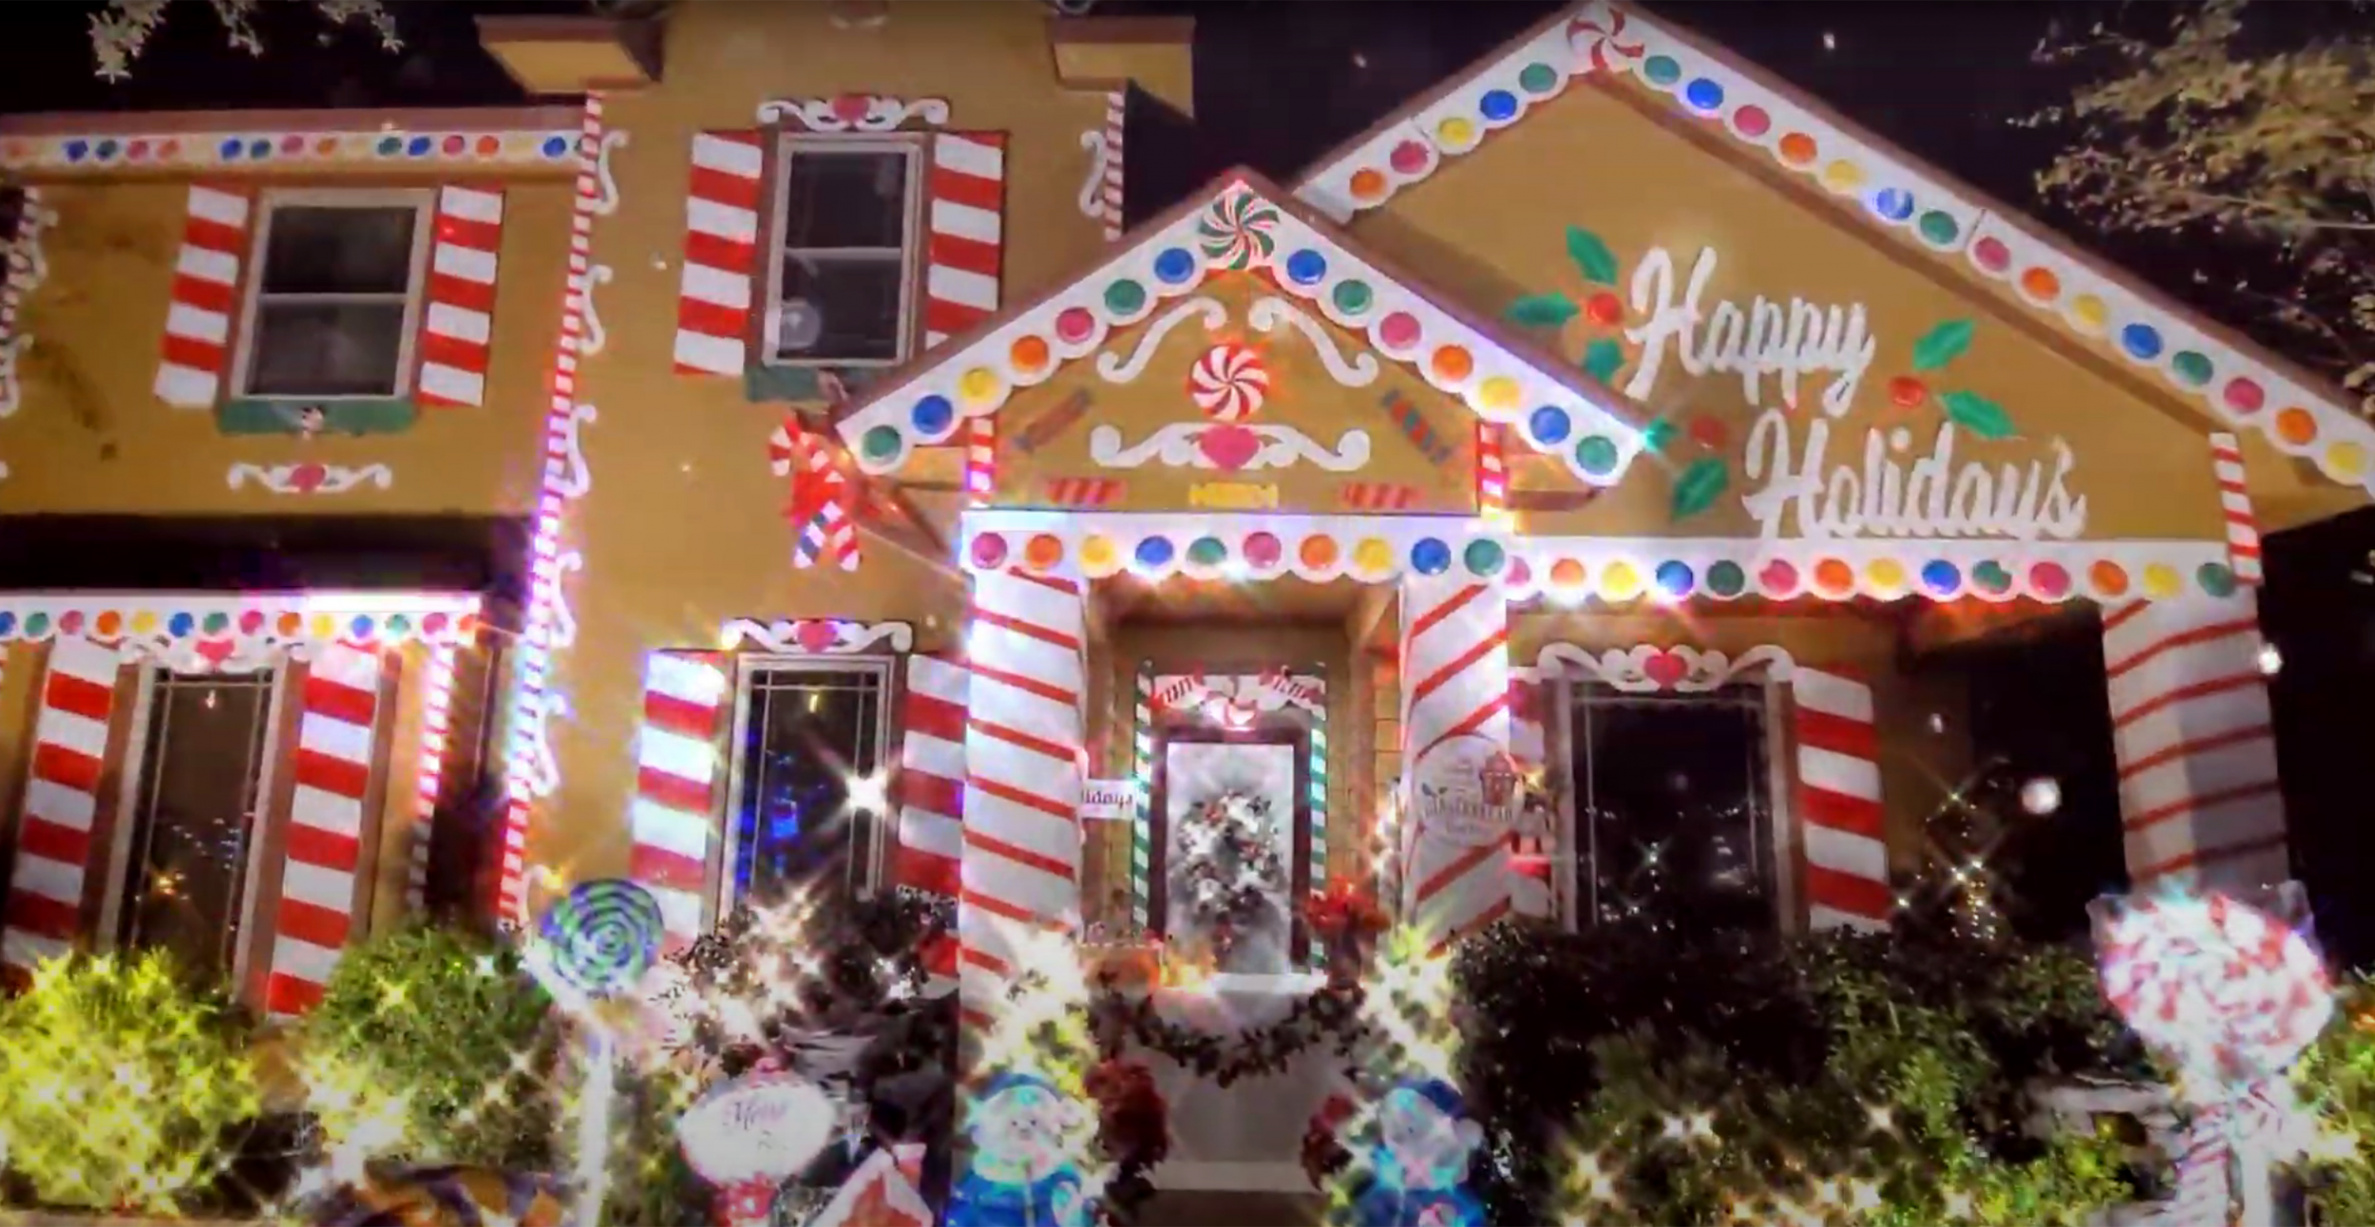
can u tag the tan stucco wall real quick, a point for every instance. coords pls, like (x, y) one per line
(684, 527)
(1493, 225)
(92, 437)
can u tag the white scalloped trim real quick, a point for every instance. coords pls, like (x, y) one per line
(815, 636)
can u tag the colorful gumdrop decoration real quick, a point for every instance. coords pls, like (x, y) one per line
(2231, 995)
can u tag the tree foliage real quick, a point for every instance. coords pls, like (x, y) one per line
(120, 31)
(2256, 125)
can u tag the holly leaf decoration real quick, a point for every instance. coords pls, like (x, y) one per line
(1542, 310)
(1942, 344)
(1592, 257)
(1603, 358)
(1977, 414)
(1696, 490)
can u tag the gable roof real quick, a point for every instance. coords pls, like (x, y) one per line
(2240, 382)
(1244, 223)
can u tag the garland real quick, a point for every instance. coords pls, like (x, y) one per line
(1325, 1014)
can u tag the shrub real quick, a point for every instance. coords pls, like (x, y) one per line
(430, 1045)
(121, 1085)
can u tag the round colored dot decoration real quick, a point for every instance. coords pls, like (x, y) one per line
(931, 415)
(2108, 578)
(601, 937)
(1661, 69)
(1567, 573)
(1408, 158)
(2049, 580)
(1596, 455)
(2141, 341)
(1317, 553)
(7, 623)
(1353, 297)
(37, 624)
(1751, 122)
(1703, 95)
(1796, 148)
(1153, 552)
(1674, 578)
(1497, 105)
(2191, 368)
(1886, 574)
(1228, 382)
(2160, 580)
(1940, 578)
(1499, 392)
(1619, 581)
(70, 622)
(1991, 254)
(1373, 555)
(1833, 577)
(1455, 133)
(1263, 550)
(217, 623)
(1842, 175)
(1207, 552)
(2040, 284)
(1453, 363)
(1125, 297)
(2090, 311)
(1726, 579)
(2229, 991)
(989, 551)
(1043, 551)
(2216, 579)
(1537, 79)
(1075, 325)
(1173, 266)
(2296, 426)
(1484, 557)
(1097, 556)
(108, 625)
(1992, 578)
(1028, 354)
(178, 625)
(2243, 395)
(1549, 425)
(1306, 267)
(1398, 330)
(1367, 185)
(2346, 460)
(979, 385)
(1893, 203)
(1430, 556)
(881, 443)
(1939, 227)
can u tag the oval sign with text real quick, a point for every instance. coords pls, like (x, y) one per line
(760, 1127)
(1455, 794)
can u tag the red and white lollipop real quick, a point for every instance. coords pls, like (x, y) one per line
(1228, 382)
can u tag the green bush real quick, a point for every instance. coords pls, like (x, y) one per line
(121, 1084)
(431, 1045)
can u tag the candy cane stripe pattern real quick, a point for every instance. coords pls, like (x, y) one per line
(205, 294)
(1024, 760)
(2196, 742)
(676, 769)
(335, 732)
(721, 215)
(1843, 830)
(1142, 774)
(966, 217)
(1228, 382)
(458, 322)
(61, 804)
(1455, 671)
(932, 776)
(2234, 500)
(1109, 194)
(1492, 471)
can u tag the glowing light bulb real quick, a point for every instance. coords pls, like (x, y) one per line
(2271, 659)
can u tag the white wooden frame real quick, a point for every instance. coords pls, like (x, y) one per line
(789, 146)
(423, 202)
(882, 828)
(260, 845)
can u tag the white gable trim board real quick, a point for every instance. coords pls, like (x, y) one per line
(2232, 379)
(1240, 230)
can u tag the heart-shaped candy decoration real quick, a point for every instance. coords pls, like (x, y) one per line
(1665, 669)
(216, 651)
(1229, 448)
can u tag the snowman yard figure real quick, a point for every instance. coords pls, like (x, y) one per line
(1418, 1162)
(1024, 1169)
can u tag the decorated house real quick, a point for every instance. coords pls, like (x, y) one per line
(1612, 427)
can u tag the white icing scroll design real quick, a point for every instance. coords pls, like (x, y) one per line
(1116, 370)
(1648, 669)
(1358, 372)
(1204, 445)
(605, 200)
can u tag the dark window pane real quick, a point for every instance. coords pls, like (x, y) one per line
(1672, 812)
(315, 250)
(326, 349)
(808, 733)
(846, 199)
(839, 307)
(193, 815)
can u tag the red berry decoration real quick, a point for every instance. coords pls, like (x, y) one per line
(1908, 392)
(1604, 309)
(1708, 433)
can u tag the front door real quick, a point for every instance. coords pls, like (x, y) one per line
(1232, 833)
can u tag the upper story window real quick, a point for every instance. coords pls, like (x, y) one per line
(809, 748)
(334, 303)
(842, 284)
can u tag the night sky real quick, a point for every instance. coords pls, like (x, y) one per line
(1279, 83)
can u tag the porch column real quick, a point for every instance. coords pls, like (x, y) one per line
(1024, 759)
(2197, 750)
(61, 804)
(1455, 717)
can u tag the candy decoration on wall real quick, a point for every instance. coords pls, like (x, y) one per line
(1492, 472)
(714, 292)
(822, 509)
(2232, 996)
(336, 736)
(60, 809)
(598, 940)
(1238, 231)
(205, 294)
(1228, 382)
(458, 318)
(1084, 491)
(965, 212)
(1599, 33)
(1376, 496)
(2234, 501)
(1047, 427)
(1413, 425)
(981, 459)
(1847, 880)
(1455, 718)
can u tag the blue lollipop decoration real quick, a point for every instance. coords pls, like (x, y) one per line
(599, 939)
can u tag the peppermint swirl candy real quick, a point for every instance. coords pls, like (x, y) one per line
(2230, 991)
(601, 938)
(1236, 232)
(1228, 382)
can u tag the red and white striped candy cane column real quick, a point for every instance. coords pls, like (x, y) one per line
(1455, 688)
(2234, 501)
(1024, 761)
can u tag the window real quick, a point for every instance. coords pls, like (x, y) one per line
(1672, 806)
(332, 306)
(807, 784)
(189, 819)
(841, 286)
